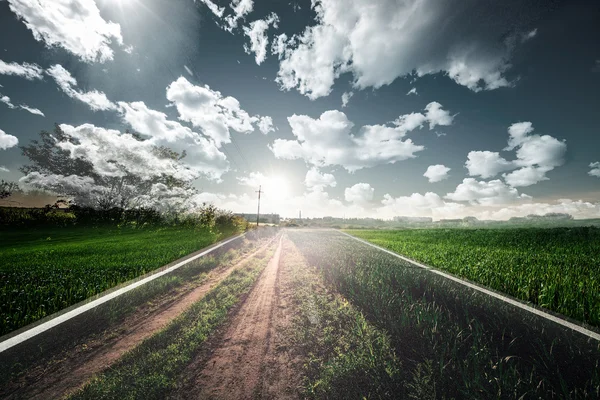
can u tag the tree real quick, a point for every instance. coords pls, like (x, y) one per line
(55, 169)
(7, 189)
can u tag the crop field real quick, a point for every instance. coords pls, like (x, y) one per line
(558, 269)
(450, 341)
(312, 314)
(44, 271)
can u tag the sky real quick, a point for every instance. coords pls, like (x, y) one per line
(337, 108)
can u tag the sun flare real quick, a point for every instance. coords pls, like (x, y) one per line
(276, 188)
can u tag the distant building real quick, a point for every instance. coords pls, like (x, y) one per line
(264, 218)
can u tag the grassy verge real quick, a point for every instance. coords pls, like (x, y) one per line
(454, 342)
(150, 371)
(44, 271)
(347, 357)
(553, 268)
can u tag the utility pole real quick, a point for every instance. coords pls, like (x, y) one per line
(258, 212)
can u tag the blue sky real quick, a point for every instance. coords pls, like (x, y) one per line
(339, 107)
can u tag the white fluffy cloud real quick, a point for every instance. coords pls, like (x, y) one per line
(346, 96)
(240, 9)
(328, 139)
(315, 180)
(380, 41)
(485, 193)
(536, 155)
(265, 124)
(75, 25)
(595, 169)
(257, 33)
(253, 179)
(7, 141)
(203, 156)
(25, 70)
(209, 110)
(113, 153)
(419, 205)
(97, 101)
(436, 173)
(6, 100)
(412, 91)
(361, 193)
(218, 11)
(486, 164)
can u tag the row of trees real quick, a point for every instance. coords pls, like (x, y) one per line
(93, 196)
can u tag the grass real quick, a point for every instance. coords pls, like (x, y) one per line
(44, 271)
(347, 357)
(558, 268)
(453, 342)
(150, 371)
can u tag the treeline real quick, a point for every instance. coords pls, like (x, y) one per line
(207, 216)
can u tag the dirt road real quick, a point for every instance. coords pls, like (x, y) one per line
(250, 361)
(77, 367)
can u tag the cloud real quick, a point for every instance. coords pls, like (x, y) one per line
(75, 25)
(279, 44)
(529, 35)
(4, 169)
(419, 205)
(218, 11)
(96, 101)
(595, 169)
(536, 155)
(378, 42)
(32, 110)
(485, 193)
(188, 70)
(203, 156)
(7, 141)
(254, 179)
(328, 139)
(412, 91)
(257, 32)
(265, 124)
(315, 180)
(487, 164)
(209, 110)
(6, 100)
(25, 70)
(361, 193)
(346, 96)
(435, 115)
(116, 154)
(436, 173)
(240, 9)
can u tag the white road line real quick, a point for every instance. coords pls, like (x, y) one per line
(20, 338)
(498, 296)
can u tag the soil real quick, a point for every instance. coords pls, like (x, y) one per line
(61, 377)
(250, 359)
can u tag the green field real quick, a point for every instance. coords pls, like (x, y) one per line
(46, 270)
(448, 341)
(558, 268)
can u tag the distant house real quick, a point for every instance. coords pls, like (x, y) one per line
(264, 218)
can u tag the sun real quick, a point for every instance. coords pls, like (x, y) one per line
(276, 188)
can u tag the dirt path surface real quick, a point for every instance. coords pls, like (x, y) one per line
(74, 370)
(251, 359)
